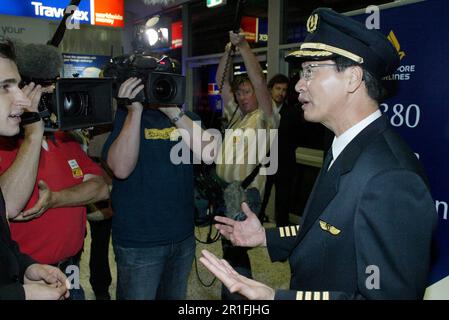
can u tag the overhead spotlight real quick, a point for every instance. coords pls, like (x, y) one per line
(154, 34)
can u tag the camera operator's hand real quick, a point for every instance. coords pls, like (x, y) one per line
(129, 89)
(43, 204)
(34, 94)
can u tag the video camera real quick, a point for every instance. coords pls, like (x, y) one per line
(75, 102)
(161, 77)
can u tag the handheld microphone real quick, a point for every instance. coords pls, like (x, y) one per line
(233, 197)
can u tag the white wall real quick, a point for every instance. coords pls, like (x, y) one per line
(86, 40)
(29, 30)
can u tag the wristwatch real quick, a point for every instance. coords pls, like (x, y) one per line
(179, 116)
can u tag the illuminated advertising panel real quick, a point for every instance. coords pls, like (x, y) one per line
(96, 12)
(108, 13)
(45, 9)
(176, 35)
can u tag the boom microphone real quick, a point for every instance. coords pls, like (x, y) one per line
(38, 61)
(60, 31)
(238, 16)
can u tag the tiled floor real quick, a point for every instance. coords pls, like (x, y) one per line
(276, 275)
(273, 274)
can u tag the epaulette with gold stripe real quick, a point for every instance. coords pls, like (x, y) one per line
(288, 231)
(312, 295)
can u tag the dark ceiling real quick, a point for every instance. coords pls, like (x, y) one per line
(141, 10)
(210, 26)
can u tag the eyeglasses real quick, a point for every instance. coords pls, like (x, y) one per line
(307, 72)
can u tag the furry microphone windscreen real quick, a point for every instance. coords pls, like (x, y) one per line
(38, 61)
(233, 197)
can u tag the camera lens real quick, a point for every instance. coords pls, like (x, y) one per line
(164, 89)
(74, 103)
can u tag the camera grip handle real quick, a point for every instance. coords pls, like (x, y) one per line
(126, 101)
(29, 118)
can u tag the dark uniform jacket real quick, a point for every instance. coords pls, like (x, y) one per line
(12, 262)
(288, 139)
(367, 225)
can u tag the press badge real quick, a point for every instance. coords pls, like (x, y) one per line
(76, 170)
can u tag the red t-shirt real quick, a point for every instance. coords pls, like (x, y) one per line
(59, 233)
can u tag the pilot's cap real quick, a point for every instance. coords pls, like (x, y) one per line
(331, 34)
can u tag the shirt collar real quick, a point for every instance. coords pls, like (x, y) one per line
(340, 143)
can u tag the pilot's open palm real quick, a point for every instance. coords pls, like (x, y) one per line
(235, 282)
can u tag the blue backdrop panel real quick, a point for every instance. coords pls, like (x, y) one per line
(419, 110)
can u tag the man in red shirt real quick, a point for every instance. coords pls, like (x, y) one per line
(55, 215)
(52, 226)
(20, 276)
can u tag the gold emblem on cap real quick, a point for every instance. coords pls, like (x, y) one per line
(312, 23)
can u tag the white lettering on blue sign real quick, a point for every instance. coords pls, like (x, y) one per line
(442, 208)
(53, 12)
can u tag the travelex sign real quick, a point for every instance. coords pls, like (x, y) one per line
(95, 12)
(41, 10)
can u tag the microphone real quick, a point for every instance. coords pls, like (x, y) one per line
(233, 197)
(38, 61)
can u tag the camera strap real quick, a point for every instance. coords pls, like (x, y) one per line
(30, 117)
(250, 178)
(126, 101)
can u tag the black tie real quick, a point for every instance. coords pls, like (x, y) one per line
(327, 161)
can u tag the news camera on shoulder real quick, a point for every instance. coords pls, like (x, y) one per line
(86, 102)
(163, 84)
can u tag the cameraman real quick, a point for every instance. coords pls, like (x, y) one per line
(152, 198)
(20, 276)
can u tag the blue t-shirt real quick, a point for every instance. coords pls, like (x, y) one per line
(154, 205)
